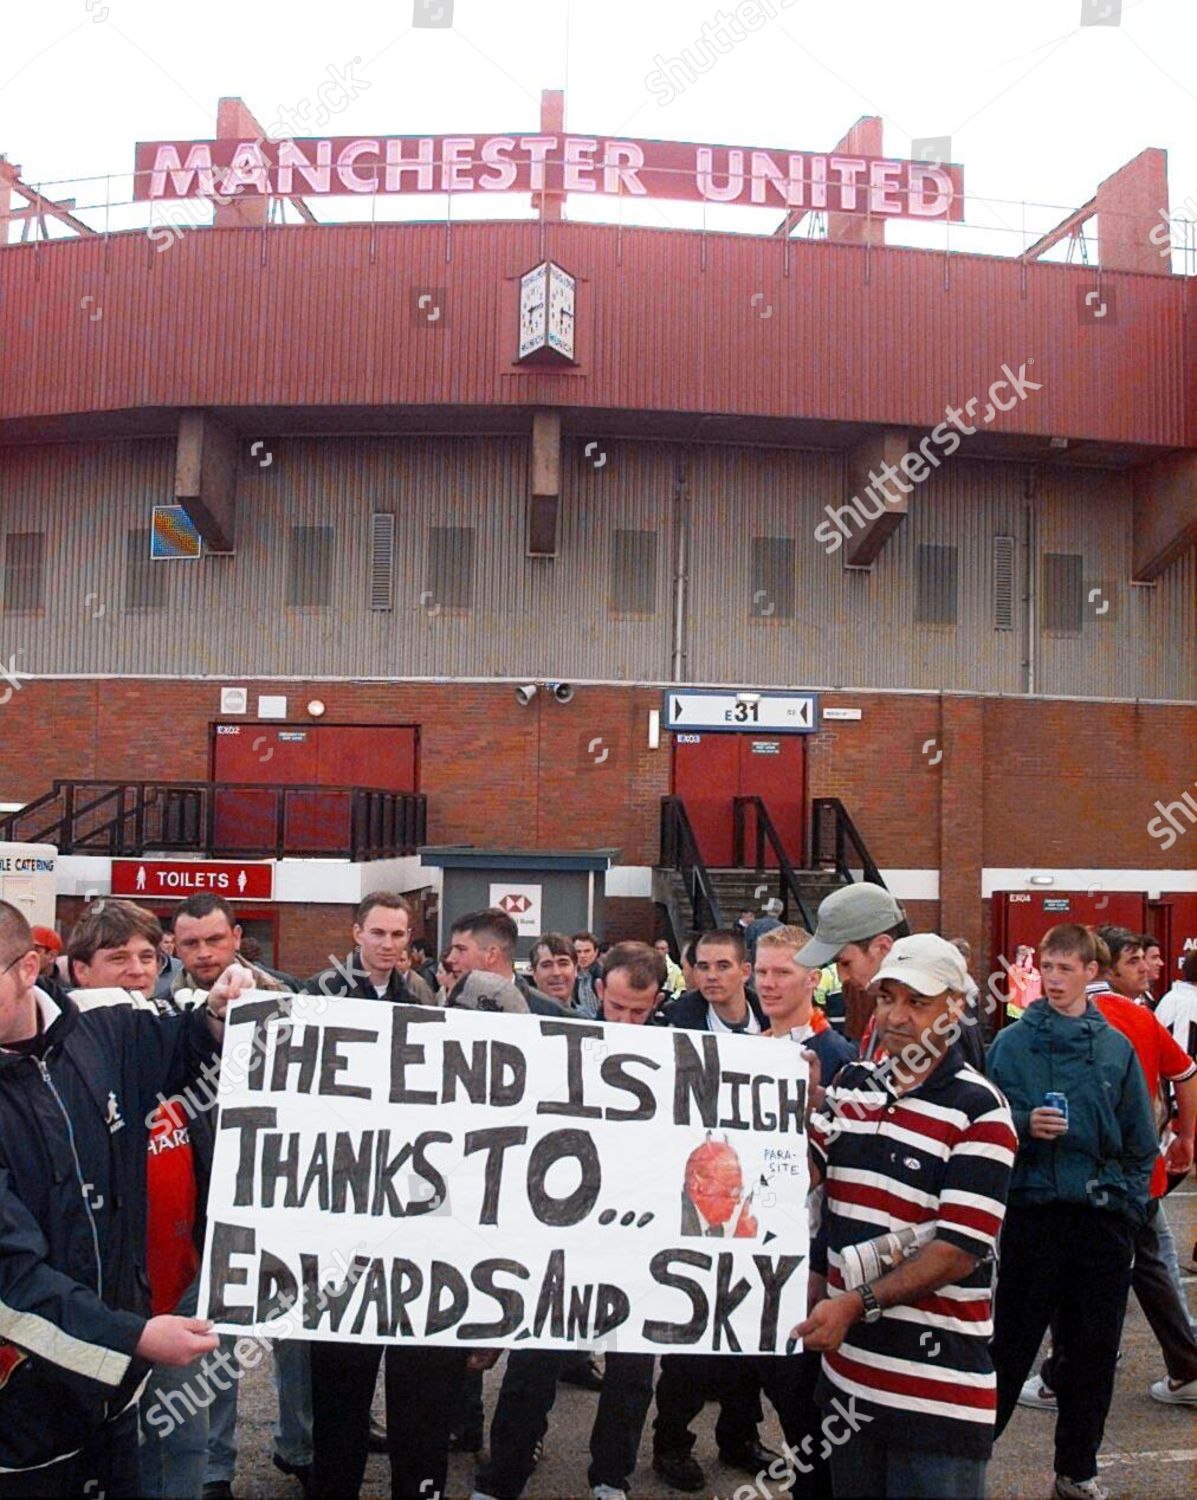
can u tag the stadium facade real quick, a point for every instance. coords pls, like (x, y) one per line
(950, 495)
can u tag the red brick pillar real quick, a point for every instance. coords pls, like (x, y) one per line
(961, 822)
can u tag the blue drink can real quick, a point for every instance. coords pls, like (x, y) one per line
(1057, 1101)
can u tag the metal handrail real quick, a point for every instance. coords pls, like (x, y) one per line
(381, 824)
(679, 851)
(844, 834)
(789, 888)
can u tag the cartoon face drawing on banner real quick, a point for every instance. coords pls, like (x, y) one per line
(713, 1192)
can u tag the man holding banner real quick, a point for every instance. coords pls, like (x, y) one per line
(916, 1152)
(76, 1334)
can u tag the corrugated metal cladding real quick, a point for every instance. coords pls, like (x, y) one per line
(859, 628)
(1136, 640)
(851, 627)
(667, 321)
(228, 615)
(596, 612)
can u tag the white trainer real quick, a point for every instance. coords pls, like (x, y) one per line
(608, 1492)
(1035, 1393)
(1175, 1393)
(1080, 1489)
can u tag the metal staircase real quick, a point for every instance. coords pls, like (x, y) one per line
(698, 897)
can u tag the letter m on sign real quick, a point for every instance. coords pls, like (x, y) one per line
(193, 178)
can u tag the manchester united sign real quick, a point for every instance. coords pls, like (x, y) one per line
(834, 182)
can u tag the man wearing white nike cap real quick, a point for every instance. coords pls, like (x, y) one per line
(920, 1145)
(857, 927)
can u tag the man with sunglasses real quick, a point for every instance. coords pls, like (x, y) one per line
(76, 1335)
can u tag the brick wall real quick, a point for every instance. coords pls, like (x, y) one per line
(495, 773)
(626, 918)
(948, 783)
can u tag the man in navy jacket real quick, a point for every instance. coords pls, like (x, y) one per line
(76, 1338)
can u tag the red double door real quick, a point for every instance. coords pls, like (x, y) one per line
(1024, 917)
(336, 756)
(1173, 919)
(711, 770)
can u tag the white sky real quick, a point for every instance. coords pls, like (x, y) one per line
(1038, 107)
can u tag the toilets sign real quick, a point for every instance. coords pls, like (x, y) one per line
(180, 878)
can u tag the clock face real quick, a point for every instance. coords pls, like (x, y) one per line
(546, 311)
(532, 310)
(561, 311)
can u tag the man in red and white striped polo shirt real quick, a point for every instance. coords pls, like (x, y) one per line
(914, 1141)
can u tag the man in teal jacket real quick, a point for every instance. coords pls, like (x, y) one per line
(1078, 1193)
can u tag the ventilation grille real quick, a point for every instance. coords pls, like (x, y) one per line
(309, 566)
(24, 571)
(145, 580)
(1063, 592)
(449, 571)
(1003, 583)
(774, 573)
(936, 585)
(382, 560)
(632, 589)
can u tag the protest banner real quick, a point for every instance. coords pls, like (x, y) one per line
(403, 1174)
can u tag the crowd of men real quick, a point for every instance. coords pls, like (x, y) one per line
(1024, 1167)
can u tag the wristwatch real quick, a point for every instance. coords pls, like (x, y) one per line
(872, 1308)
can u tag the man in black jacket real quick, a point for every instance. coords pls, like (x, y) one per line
(629, 992)
(422, 1384)
(483, 943)
(722, 1002)
(381, 925)
(75, 1336)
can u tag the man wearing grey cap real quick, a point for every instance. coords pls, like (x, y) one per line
(857, 927)
(915, 1154)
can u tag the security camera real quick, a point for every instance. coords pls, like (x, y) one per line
(562, 691)
(525, 693)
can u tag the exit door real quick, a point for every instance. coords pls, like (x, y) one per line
(1025, 916)
(711, 770)
(1173, 921)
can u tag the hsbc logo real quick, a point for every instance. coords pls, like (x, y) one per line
(521, 903)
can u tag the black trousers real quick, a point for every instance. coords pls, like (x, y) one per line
(789, 1381)
(470, 1419)
(1069, 1263)
(688, 1381)
(521, 1419)
(423, 1387)
(105, 1465)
